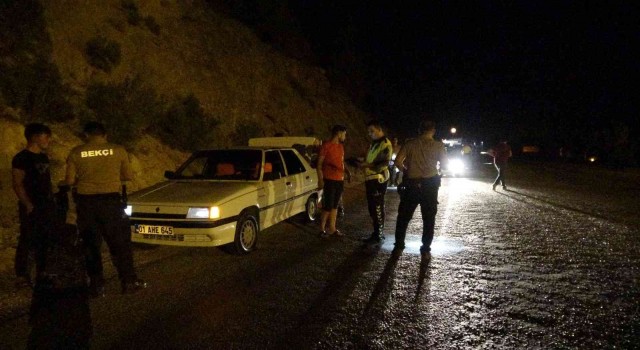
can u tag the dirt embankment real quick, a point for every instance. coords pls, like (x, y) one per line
(174, 48)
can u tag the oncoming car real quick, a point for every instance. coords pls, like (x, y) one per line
(225, 197)
(456, 164)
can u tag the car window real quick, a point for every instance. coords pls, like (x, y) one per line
(309, 152)
(222, 165)
(195, 168)
(273, 162)
(292, 162)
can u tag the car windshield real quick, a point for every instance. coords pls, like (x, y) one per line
(222, 165)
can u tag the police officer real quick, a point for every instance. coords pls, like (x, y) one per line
(419, 157)
(376, 170)
(97, 169)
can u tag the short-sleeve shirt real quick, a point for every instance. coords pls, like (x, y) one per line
(333, 164)
(422, 157)
(37, 175)
(98, 167)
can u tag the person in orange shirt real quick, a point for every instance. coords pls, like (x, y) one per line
(331, 171)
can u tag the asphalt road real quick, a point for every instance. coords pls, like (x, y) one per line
(553, 262)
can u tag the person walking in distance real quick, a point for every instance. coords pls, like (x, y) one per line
(376, 170)
(331, 171)
(31, 179)
(97, 170)
(501, 154)
(419, 158)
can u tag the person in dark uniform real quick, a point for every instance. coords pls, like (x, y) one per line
(32, 184)
(376, 170)
(419, 158)
(97, 170)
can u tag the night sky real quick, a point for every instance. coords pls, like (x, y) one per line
(546, 72)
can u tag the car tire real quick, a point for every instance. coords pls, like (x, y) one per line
(311, 209)
(246, 235)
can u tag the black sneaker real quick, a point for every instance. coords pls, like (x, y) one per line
(133, 287)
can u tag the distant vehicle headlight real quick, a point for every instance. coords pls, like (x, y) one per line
(456, 166)
(204, 213)
(128, 210)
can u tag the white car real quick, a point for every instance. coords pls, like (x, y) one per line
(225, 197)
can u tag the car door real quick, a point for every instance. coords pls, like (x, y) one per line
(298, 181)
(273, 198)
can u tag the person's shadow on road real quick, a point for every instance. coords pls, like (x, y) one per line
(510, 193)
(382, 290)
(424, 275)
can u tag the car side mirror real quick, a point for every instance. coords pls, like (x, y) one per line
(169, 174)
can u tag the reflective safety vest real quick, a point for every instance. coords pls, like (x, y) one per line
(380, 152)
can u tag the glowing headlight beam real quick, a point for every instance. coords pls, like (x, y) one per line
(204, 213)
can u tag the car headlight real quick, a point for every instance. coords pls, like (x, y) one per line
(204, 213)
(456, 165)
(128, 210)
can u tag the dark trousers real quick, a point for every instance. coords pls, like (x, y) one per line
(423, 192)
(34, 237)
(102, 217)
(502, 168)
(375, 200)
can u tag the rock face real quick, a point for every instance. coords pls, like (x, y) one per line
(176, 49)
(238, 79)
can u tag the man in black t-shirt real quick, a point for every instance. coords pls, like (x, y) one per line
(32, 184)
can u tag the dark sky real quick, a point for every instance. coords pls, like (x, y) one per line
(533, 70)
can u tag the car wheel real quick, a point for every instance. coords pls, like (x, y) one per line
(246, 234)
(312, 209)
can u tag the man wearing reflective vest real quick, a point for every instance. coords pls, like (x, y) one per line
(97, 170)
(376, 170)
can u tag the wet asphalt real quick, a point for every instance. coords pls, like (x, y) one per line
(551, 263)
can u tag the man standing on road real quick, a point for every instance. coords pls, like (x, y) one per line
(419, 157)
(376, 171)
(31, 179)
(97, 170)
(331, 171)
(501, 154)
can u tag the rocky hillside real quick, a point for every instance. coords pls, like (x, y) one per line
(154, 59)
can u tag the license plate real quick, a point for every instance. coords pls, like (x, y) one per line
(154, 230)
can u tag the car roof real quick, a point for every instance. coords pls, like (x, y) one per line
(244, 148)
(284, 141)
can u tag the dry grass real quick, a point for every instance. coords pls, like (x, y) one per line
(238, 78)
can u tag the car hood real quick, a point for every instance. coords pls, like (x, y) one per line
(192, 192)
